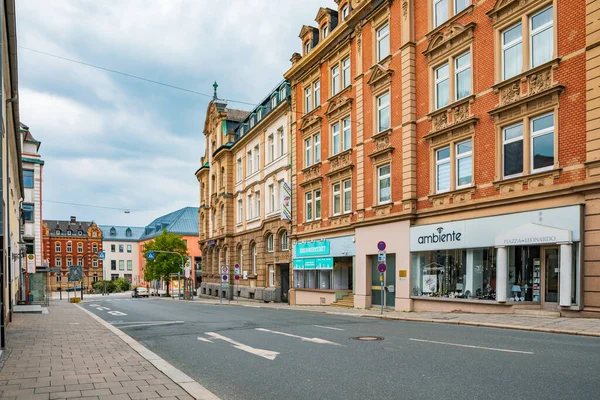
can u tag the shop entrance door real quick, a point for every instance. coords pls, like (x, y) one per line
(551, 270)
(389, 282)
(285, 281)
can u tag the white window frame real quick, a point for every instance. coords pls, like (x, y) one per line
(346, 79)
(532, 33)
(284, 240)
(259, 114)
(335, 80)
(336, 134)
(307, 47)
(69, 261)
(381, 178)
(317, 204)
(239, 170)
(240, 204)
(271, 193)
(80, 247)
(250, 208)
(254, 259)
(271, 147)
(249, 161)
(69, 248)
(57, 247)
(381, 108)
(535, 134)
(383, 32)
(281, 141)
(57, 262)
(308, 205)
(256, 154)
(308, 152)
(271, 275)
(439, 81)
(270, 243)
(223, 216)
(507, 46)
(439, 162)
(80, 261)
(307, 100)
(460, 156)
(346, 192)
(273, 102)
(317, 147)
(458, 71)
(336, 198)
(129, 265)
(324, 31)
(95, 263)
(505, 142)
(257, 202)
(345, 12)
(346, 133)
(437, 23)
(317, 93)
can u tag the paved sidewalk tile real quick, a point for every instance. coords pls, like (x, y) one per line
(53, 358)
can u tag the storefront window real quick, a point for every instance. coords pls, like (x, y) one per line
(524, 273)
(323, 273)
(461, 273)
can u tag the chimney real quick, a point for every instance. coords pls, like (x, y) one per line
(73, 219)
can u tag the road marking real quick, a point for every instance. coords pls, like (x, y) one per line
(268, 354)
(204, 340)
(471, 347)
(143, 324)
(252, 306)
(93, 305)
(328, 327)
(103, 308)
(117, 313)
(304, 339)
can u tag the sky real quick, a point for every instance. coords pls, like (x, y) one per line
(112, 141)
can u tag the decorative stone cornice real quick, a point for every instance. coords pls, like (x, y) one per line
(311, 174)
(310, 121)
(453, 197)
(383, 144)
(380, 76)
(340, 165)
(339, 105)
(532, 181)
(505, 9)
(443, 42)
(450, 118)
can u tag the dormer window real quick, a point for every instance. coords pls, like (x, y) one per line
(345, 12)
(252, 122)
(259, 115)
(69, 233)
(324, 31)
(282, 94)
(273, 102)
(242, 131)
(307, 47)
(113, 232)
(57, 232)
(128, 232)
(80, 233)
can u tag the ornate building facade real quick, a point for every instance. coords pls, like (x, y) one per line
(244, 179)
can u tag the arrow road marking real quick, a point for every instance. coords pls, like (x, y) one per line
(304, 339)
(204, 340)
(471, 347)
(268, 354)
(103, 308)
(328, 327)
(116, 313)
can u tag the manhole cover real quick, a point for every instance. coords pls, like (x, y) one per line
(368, 338)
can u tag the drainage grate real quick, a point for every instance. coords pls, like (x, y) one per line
(367, 338)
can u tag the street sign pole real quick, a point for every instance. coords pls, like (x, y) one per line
(382, 291)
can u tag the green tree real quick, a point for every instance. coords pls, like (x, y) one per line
(123, 284)
(164, 264)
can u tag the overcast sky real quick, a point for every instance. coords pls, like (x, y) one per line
(113, 141)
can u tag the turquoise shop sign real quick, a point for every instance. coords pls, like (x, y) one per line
(310, 249)
(309, 263)
(298, 264)
(325, 263)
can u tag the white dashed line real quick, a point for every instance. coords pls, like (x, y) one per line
(328, 327)
(471, 347)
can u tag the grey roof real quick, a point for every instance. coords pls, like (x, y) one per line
(236, 115)
(120, 233)
(64, 226)
(183, 222)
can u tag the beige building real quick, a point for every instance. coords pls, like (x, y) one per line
(244, 182)
(13, 252)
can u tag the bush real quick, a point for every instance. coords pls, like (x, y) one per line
(105, 286)
(123, 284)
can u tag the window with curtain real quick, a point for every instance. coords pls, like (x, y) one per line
(442, 168)
(28, 178)
(317, 92)
(335, 139)
(317, 139)
(308, 152)
(284, 241)
(512, 51)
(318, 204)
(440, 12)
(464, 164)
(346, 72)
(441, 86)
(309, 206)
(383, 112)
(462, 71)
(337, 198)
(270, 243)
(384, 194)
(542, 37)
(347, 188)
(129, 265)
(512, 138)
(335, 80)
(383, 42)
(307, 99)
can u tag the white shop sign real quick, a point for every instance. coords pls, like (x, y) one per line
(553, 225)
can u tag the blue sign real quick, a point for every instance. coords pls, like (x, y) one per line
(313, 263)
(101, 255)
(381, 246)
(150, 255)
(309, 249)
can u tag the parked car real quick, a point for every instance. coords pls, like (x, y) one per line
(71, 288)
(140, 292)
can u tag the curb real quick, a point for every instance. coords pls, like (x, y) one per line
(193, 388)
(428, 320)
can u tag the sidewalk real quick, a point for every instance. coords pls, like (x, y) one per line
(69, 354)
(571, 326)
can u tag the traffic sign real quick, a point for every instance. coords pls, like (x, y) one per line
(382, 256)
(224, 281)
(101, 255)
(237, 277)
(187, 272)
(224, 278)
(150, 255)
(224, 269)
(381, 267)
(381, 246)
(236, 269)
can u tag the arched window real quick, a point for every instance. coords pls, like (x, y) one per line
(214, 221)
(270, 243)
(94, 248)
(254, 254)
(128, 232)
(240, 256)
(283, 240)
(113, 232)
(223, 216)
(69, 247)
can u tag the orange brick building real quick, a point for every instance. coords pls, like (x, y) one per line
(69, 243)
(454, 132)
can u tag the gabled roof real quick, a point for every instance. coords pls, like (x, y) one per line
(306, 29)
(323, 11)
(65, 226)
(182, 222)
(120, 233)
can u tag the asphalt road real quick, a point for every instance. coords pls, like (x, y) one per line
(256, 353)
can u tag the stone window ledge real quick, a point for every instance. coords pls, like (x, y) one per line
(449, 21)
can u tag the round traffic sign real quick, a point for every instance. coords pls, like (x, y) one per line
(224, 277)
(237, 277)
(224, 269)
(381, 245)
(236, 266)
(381, 267)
